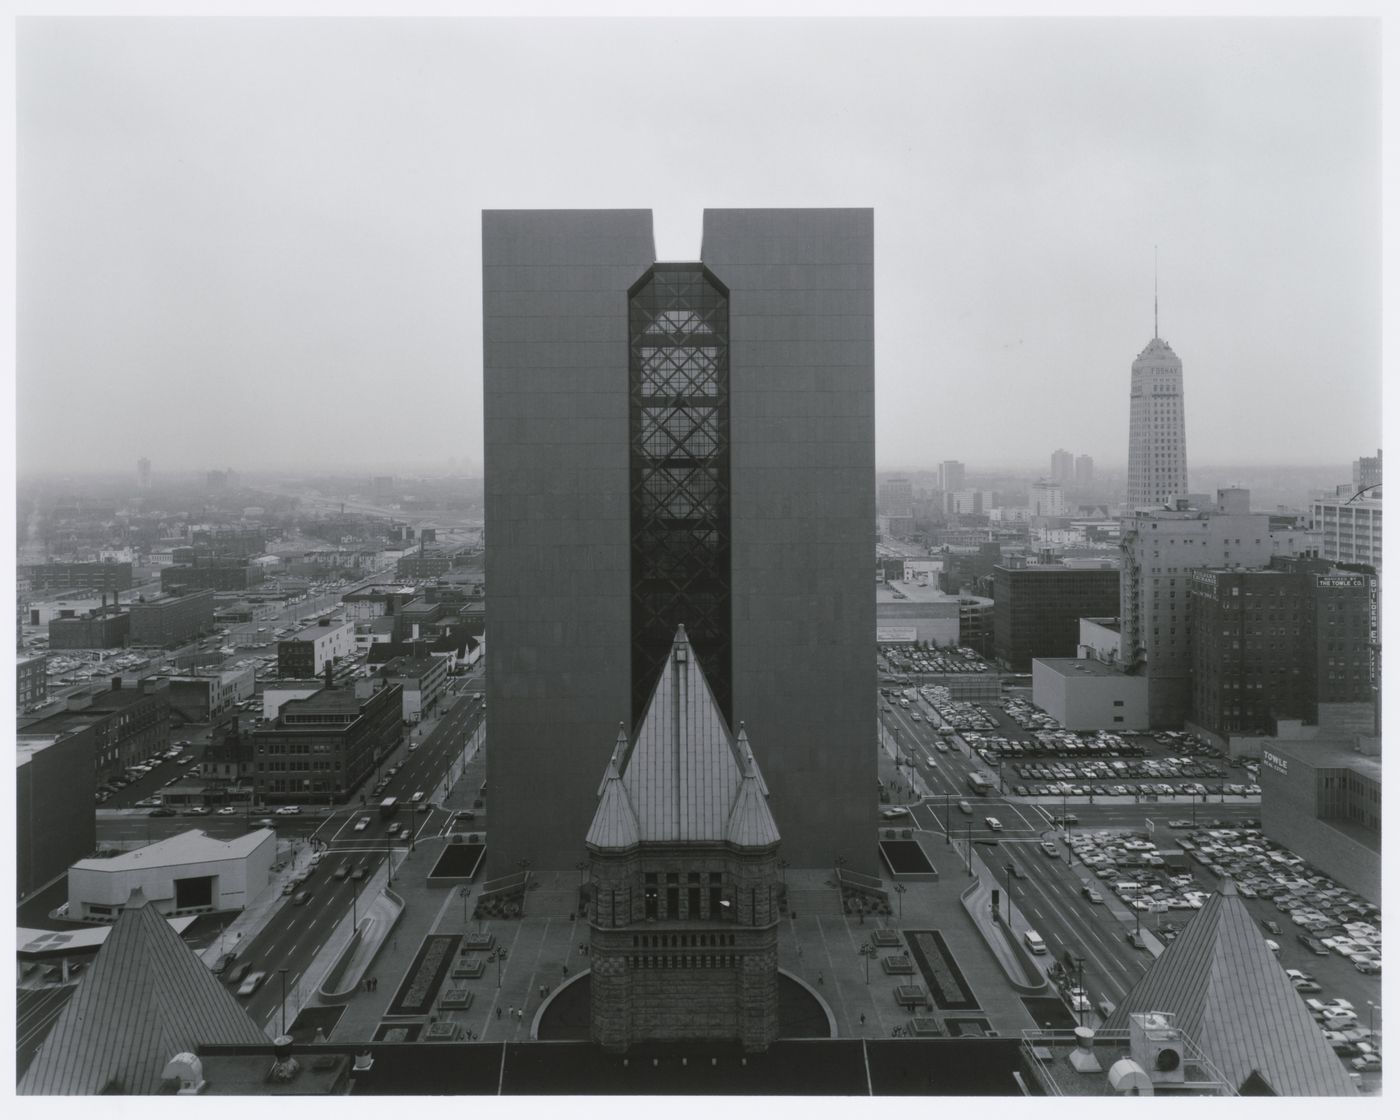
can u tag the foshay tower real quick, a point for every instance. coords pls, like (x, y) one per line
(1156, 425)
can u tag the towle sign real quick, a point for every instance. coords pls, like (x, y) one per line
(1274, 762)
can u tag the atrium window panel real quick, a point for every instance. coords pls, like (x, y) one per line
(679, 468)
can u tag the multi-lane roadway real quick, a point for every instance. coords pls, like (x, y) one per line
(295, 933)
(1046, 891)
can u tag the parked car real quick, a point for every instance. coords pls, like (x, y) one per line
(289, 811)
(301, 898)
(239, 971)
(161, 813)
(1368, 966)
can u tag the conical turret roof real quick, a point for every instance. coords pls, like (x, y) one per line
(684, 779)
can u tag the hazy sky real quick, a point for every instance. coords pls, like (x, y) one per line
(251, 243)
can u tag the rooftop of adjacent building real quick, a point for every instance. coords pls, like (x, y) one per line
(1080, 666)
(1324, 755)
(193, 846)
(1106, 623)
(902, 591)
(318, 630)
(1072, 1064)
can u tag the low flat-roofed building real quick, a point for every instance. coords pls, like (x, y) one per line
(423, 679)
(1087, 695)
(908, 612)
(125, 724)
(305, 653)
(191, 873)
(100, 629)
(169, 619)
(100, 574)
(1322, 801)
(206, 696)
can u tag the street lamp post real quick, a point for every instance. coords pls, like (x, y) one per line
(947, 818)
(465, 893)
(581, 866)
(1010, 901)
(899, 889)
(283, 973)
(867, 951)
(498, 954)
(1083, 995)
(969, 849)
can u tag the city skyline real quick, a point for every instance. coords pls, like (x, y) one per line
(282, 266)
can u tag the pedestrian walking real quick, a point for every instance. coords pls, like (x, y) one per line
(820, 979)
(510, 1010)
(565, 968)
(520, 1015)
(862, 1018)
(498, 1013)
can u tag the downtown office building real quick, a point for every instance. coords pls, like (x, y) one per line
(675, 444)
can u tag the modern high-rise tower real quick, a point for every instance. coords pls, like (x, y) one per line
(679, 444)
(1156, 426)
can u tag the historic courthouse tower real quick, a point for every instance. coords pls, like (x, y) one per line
(684, 875)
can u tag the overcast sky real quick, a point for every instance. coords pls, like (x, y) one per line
(249, 243)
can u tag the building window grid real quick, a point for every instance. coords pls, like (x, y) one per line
(680, 487)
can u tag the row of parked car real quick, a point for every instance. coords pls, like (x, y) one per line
(135, 772)
(912, 659)
(1131, 866)
(1358, 1045)
(960, 715)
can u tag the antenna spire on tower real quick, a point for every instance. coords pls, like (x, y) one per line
(1155, 334)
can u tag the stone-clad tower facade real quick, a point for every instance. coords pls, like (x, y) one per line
(679, 444)
(684, 885)
(1156, 429)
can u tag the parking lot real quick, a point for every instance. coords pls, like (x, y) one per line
(1037, 758)
(1326, 936)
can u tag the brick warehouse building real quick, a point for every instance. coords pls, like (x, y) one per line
(320, 748)
(1037, 608)
(123, 724)
(1276, 643)
(684, 878)
(679, 444)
